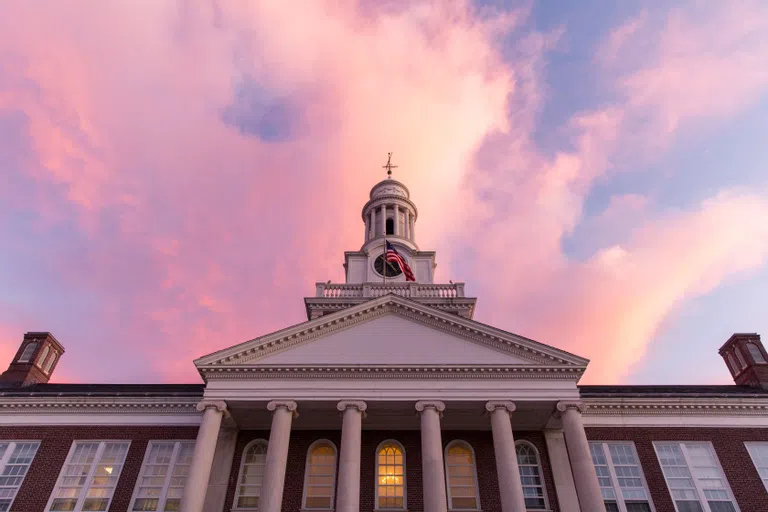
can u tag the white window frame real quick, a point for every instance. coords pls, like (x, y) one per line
(49, 363)
(91, 473)
(474, 475)
(376, 476)
(240, 474)
(740, 357)
(614, 477)
(541, 472)
(752, 345)
(171, 466)
(747, 444)
(306, 474)
(29, 354)
(43, 354)
(697, 486)
(6, 457)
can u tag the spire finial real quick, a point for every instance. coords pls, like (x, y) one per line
(389, 165)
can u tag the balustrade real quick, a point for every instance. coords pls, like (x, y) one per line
(373, 290)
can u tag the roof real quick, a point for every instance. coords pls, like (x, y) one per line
(672, 391)
(102, 390)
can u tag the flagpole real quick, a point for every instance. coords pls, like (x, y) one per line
(386, 263)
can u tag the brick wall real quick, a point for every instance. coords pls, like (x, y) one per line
(481, 442)
(55, 443)
(728, 443)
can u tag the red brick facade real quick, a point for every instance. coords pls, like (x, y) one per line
(728, 444)
(55, 443)
(481, 441)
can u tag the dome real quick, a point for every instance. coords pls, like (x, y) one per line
(390, 187)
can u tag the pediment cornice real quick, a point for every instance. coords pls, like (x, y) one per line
(249, 353)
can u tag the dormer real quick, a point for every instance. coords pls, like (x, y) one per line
(35, 360)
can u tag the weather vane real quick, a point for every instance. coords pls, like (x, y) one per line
(389, 165)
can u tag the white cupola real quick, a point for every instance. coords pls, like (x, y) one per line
(390, 214)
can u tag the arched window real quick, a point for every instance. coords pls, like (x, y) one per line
(49, 363)
(390, 227)
(251, 475)
(732, 363)
(754, 351)
(390, 476)
(461, 474)
(742, 362)
(320, 475)
(43, 355)
(531, 476)
(28, 351)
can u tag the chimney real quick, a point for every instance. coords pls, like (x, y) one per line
(35, 360)
(747, 359)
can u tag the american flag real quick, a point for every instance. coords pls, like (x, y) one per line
(394, 257)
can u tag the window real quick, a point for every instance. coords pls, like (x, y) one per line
(390, 476)
(163, 476)
(620, 471)
(759, 454)
(754, 351)
(49, 364)
(15, 458)
(531, 476)
(320, 476)
(732, 363)
(694, 477)
(43, 355)
(742, 362)
(390, 227)
(89, 476)
(28, 351)
(461, 473)
(251, 475)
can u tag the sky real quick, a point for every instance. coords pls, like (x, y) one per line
(176, 176)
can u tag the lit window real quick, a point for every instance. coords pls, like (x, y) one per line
(759, 454)
(461, 472)
(390, 476)
(531, 476)
(320, 476)
(742, 362)
(163, 476)
(15, 458)
(694, 477)
(28, 351)
(620, 472)
(251, 475)
(89, 476)
(754, 351)
(43, 355)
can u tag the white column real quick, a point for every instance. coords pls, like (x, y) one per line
(413, 229)
(397, 220)
(433, 471)
(348, 488)
(584, 475)
(367, 228)
(407, 223)
(202, 458)
(383, 221)
(373, 223)
(512, 498)
(277, 455)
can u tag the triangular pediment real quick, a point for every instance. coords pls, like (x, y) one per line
(391, 331)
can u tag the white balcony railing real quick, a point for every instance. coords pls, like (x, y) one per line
(372, 290)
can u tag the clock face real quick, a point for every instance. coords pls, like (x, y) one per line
(392, 269)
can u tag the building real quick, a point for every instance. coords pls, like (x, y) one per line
(390, 397)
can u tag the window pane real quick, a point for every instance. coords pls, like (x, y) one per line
(163, 475)
(390, 476)
(13, 473)
(759, 454)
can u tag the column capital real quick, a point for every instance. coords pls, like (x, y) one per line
(493, 405)
(288, 405)
(437, 405)
(219, 405)
(571, 404)
(352, 404)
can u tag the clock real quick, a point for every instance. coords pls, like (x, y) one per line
(380, 264)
